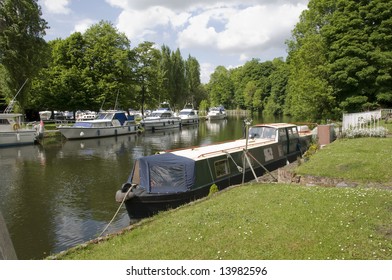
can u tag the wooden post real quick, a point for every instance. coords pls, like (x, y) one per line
(7, 251)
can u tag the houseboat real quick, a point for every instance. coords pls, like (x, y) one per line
(172, 178)
(162, 118)
(107, 123)
(188, 115)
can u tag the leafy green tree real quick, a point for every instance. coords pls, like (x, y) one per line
(23, 50)
(359, 44)
(86, 72)
(274, 103)
(108, 67)
(179, 94)
(340, 57)
(192, 78)
(220, 88)
(310, 97)
(147, 75)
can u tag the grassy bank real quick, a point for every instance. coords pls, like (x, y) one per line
(273, 221)
(364, 160)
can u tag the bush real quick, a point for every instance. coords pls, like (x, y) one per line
(365, 132)
(213, 189)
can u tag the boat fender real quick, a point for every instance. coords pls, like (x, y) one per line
(125, 193)
(125, 187)
(119, 196)
(16, 126)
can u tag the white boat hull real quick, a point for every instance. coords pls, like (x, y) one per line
(216, 117)
(159, 124)
(189, 121)
(14, 138)
(86, 132)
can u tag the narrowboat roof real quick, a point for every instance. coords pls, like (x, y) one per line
(213, 150)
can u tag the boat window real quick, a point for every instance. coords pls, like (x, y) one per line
(83, 124)
(4, 121)
(166, 115)
(282, 134)
(167, 178)
(222, 168)
(262, 132)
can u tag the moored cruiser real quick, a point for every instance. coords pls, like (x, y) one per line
(162, 118)
(107, 123)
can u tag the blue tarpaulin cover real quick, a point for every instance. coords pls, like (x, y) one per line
(166, 173)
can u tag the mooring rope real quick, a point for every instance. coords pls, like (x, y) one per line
(118, 210)
(238, 167)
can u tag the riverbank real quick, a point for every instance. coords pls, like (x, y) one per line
(273, 220)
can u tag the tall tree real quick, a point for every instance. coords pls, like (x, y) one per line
(178, 96)
(221, 88)
(23, 50)
(147, 74)
(274, 103)
(359, 53)
(107, 57)
(192, 77)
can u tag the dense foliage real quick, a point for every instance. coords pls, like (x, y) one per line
(339, 60)
(99, 70)
(22, 47)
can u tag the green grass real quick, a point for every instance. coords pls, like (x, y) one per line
(361, 159)
(257, 221)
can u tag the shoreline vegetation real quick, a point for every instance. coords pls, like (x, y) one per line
(275, 221)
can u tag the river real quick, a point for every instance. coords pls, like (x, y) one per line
(58, 195)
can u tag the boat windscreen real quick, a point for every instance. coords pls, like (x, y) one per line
(262, 132)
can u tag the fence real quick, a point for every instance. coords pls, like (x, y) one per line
(364, 120)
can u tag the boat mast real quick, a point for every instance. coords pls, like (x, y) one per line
(10, 106)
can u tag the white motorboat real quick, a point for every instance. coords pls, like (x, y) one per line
(188, 115)
(107, 123)
(13, 132)
(45, 115)
(162, 118)
(216, 113)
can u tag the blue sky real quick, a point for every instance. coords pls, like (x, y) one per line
(227, 33)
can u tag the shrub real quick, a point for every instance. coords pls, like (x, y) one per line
(365, 132)
(213, 189)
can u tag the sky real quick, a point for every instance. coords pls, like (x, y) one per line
(217, 33)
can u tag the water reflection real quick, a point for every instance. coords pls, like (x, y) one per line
(60, 195)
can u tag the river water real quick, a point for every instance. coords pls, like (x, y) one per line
(58, 195)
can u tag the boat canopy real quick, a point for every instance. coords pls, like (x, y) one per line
(164, 173)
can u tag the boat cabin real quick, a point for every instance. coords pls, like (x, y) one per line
(286, 134)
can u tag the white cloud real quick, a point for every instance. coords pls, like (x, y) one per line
(137, 24)
(206, 69)
(246, 30)
(83, 25)
(56, 6)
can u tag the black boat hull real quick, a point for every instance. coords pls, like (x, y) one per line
(149, 205)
